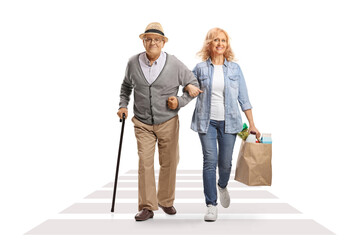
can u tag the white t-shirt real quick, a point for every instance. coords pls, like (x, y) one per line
(217, 95)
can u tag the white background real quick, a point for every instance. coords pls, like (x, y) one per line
(62, 63)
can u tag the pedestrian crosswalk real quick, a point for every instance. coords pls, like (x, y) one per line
(253, 211)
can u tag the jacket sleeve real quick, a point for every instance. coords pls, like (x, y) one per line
(185, 77)
(243, 97)
(126, 89)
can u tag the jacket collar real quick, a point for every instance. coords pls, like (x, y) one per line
(210, 63)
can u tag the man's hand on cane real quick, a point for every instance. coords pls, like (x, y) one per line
(121, 111)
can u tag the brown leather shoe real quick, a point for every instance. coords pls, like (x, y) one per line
(144, 214)
(169, 210)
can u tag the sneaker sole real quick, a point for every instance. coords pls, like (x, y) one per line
(209, 220)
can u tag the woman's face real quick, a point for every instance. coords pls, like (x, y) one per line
(219, 44)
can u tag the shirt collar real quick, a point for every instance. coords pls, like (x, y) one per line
(147, 61)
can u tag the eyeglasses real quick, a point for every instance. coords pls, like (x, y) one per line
(156, 40)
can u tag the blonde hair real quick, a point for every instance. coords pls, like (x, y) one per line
(205, 52)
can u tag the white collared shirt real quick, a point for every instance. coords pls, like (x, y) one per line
(152, 72)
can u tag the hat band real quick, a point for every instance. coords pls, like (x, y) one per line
(154, 31)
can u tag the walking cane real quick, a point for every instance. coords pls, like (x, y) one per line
(118, 162)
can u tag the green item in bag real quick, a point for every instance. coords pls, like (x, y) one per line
(244, 132)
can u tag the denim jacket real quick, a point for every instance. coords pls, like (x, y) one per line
(234, 91)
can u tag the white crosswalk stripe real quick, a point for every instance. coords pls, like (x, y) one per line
(253, 211)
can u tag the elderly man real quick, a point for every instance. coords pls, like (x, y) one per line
(155, 77)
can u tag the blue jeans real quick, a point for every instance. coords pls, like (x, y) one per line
(216, 135)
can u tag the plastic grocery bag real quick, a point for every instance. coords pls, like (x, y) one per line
(253, 166)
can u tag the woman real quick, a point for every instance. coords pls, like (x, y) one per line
(216, 116)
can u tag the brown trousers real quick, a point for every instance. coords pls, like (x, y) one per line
(167, 136)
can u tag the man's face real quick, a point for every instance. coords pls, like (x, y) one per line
(153, 44)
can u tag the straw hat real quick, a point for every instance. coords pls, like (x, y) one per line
(154, 28)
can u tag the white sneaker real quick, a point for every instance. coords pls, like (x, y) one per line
(211, 213)
(224, 197)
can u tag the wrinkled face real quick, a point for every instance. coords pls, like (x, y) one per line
(153, 44)
(219, 44)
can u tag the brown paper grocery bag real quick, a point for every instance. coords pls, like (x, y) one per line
(253, 166)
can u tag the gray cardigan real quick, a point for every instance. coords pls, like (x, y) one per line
(150, 100)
